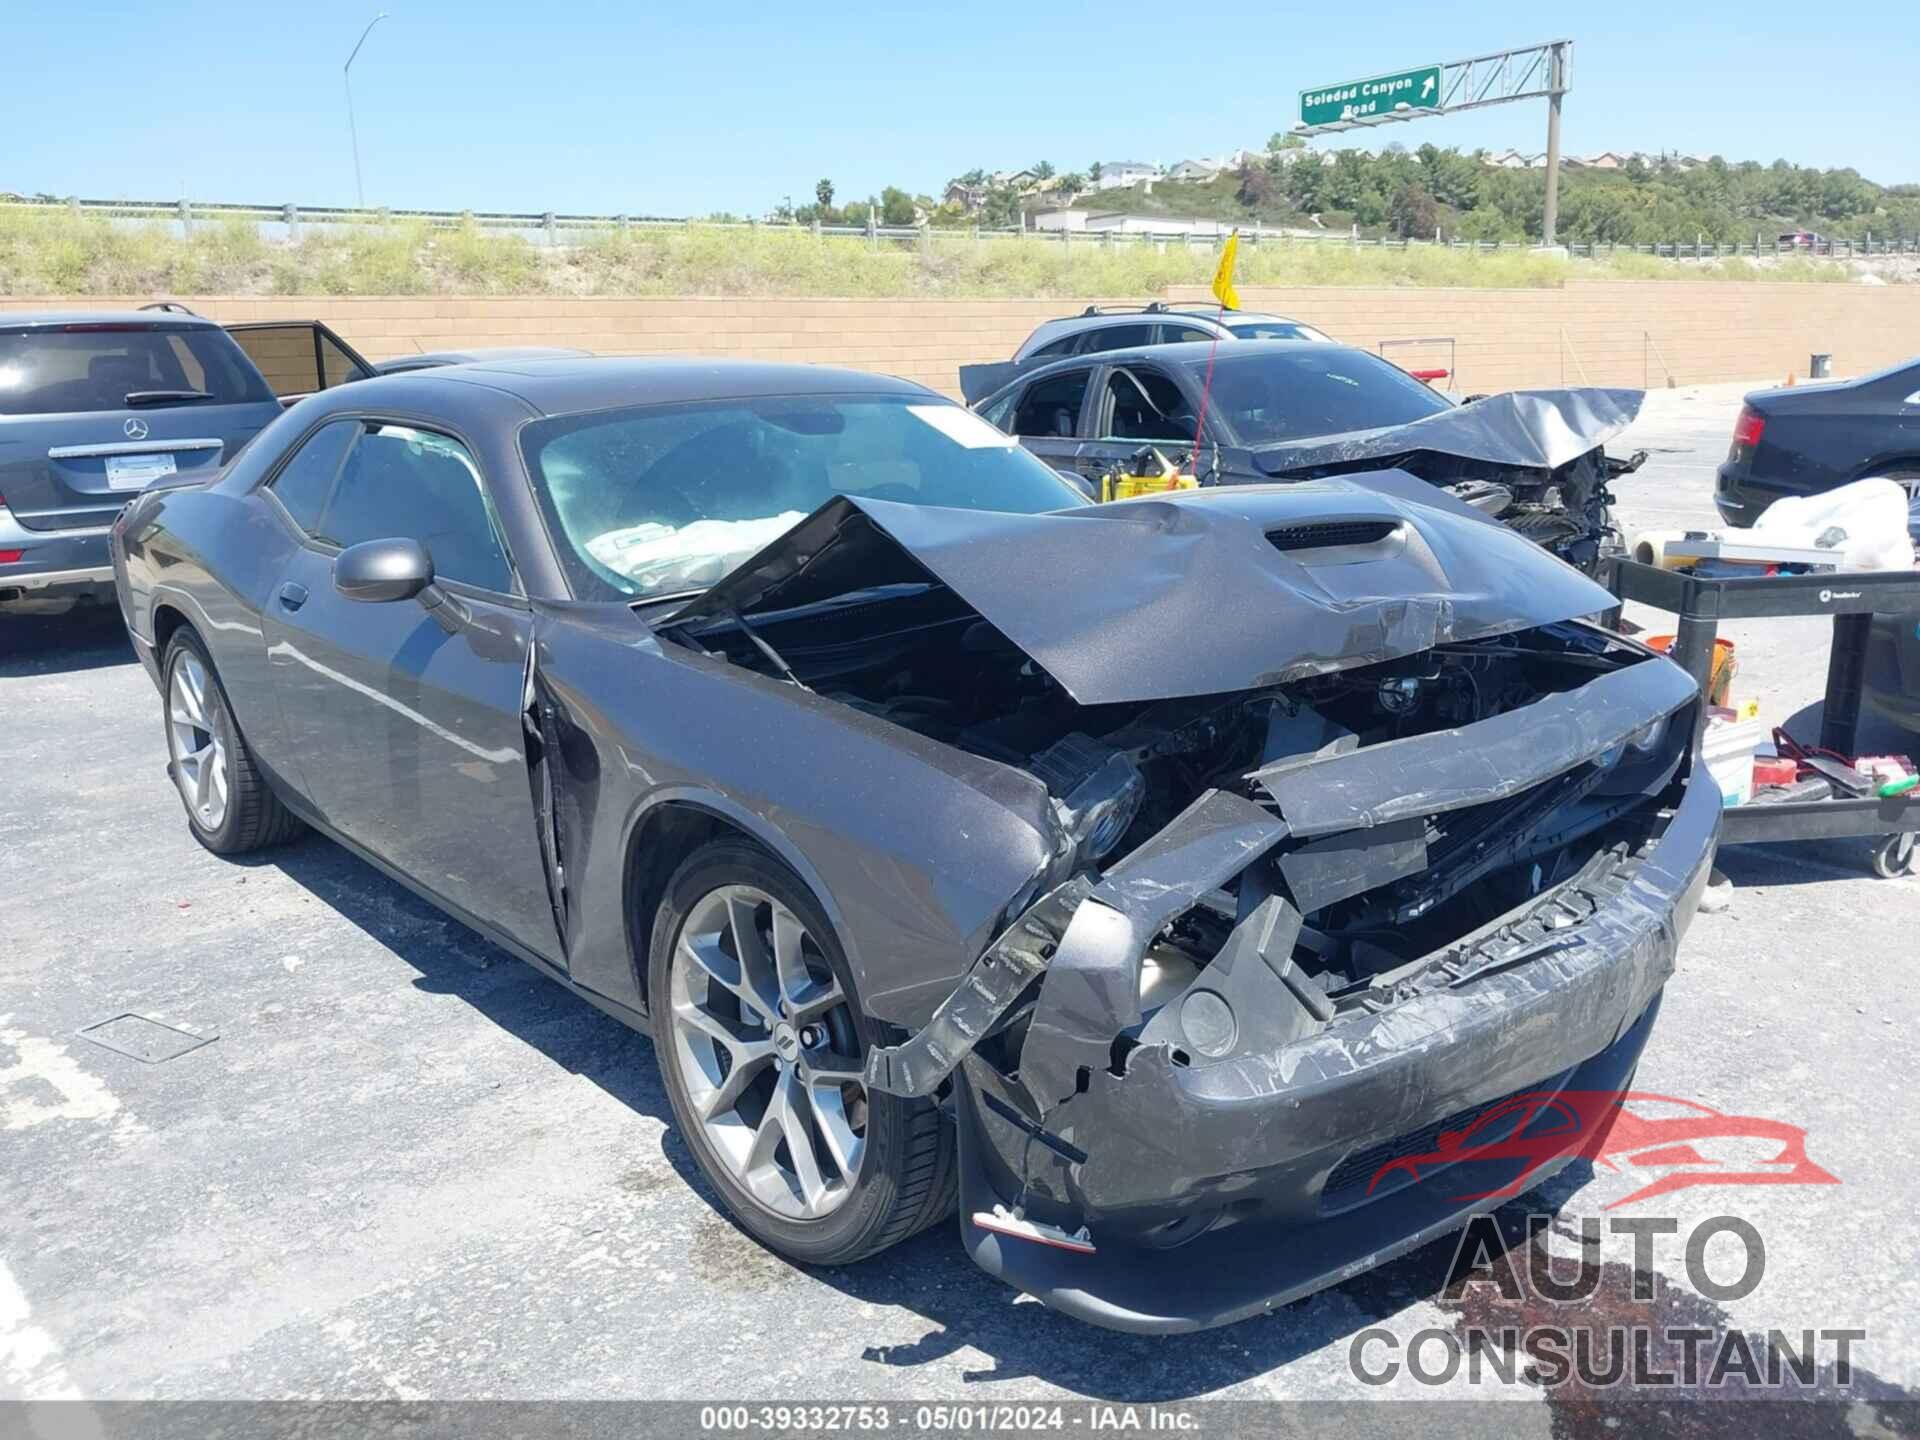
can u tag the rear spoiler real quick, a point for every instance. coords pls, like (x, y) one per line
(979, 381)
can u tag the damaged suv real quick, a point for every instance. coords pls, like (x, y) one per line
(1145, 877)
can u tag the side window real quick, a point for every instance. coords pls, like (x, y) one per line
(1001, 412)
(1055, 350)
(1146, 405)
(1051, 406)
(336, 366)
(1117, 337)
(1179, 334)
(295, 358)
(400, 482)
(303, 482)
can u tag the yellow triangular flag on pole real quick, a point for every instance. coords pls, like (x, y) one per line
(1223, 290)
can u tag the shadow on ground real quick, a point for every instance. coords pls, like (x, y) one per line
(928, 1275)
(87, 637)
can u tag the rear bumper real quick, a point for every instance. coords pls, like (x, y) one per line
(1737, 498)
(1214, 1192)
(54, 562)
(1740, 496)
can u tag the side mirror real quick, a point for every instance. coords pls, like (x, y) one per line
(383, 570)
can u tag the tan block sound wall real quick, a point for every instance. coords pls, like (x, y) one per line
(1601, 333)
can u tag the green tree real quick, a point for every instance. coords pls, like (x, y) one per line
(1001, 209)
(1307, 185)
(1254, 188)
(823, 194)
(896, 206)
(1093, 172)
(1413, 212)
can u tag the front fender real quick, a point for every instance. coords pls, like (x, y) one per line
(914, 849)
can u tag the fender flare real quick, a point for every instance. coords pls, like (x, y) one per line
(756, 828)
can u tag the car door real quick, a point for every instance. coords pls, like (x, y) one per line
(299, 357)
(407, 720)
(1047, 416)
(1895, 404)
(1134, 407)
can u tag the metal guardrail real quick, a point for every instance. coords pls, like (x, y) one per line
(558, 228)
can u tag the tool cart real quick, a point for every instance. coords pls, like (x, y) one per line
(1852, 599)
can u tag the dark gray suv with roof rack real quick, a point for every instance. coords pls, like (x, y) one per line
(1100, 328)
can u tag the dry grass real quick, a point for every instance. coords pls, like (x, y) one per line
(56, 252)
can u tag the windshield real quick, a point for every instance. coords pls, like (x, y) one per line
(95, 366)
(1276, 330)
(1298, 394)
(659, 500)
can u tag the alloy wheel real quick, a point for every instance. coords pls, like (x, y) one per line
(199, 751)
(764, 1040)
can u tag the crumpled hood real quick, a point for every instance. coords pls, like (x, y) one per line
(1530, 429)
(1195, 593)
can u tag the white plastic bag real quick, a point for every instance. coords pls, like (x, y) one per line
(1865, 523)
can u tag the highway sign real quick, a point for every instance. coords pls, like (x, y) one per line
(1417, 88)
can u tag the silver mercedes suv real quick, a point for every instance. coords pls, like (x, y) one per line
(1107, 327)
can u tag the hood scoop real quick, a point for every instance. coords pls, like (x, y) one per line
(1330, 534)
(1184, 594)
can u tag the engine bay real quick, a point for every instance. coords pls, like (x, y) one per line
(915, 656)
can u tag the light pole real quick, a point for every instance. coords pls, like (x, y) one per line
(353, 133)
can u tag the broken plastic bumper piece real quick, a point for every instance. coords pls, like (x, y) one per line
(1226, 1152)
(1002, 1221)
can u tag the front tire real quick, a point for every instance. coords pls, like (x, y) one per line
(230, 808)
(761, 1040)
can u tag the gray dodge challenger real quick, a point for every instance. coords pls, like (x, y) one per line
(1140, 880)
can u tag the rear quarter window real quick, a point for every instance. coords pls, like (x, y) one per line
(1054, 350)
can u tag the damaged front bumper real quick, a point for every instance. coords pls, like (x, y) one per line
(1219, 1178)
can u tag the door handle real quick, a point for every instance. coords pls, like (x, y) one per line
(293, 595)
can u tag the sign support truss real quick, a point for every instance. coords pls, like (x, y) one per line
(1527, 73)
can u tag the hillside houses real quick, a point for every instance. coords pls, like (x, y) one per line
(1600, 160)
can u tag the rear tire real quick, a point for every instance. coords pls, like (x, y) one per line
(230, 807)
(791, 1018)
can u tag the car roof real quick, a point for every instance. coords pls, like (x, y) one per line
(480, 354)
(158, 319)
(566, 386)
(1210, 313)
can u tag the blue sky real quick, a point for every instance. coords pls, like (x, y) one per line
(666, 107)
